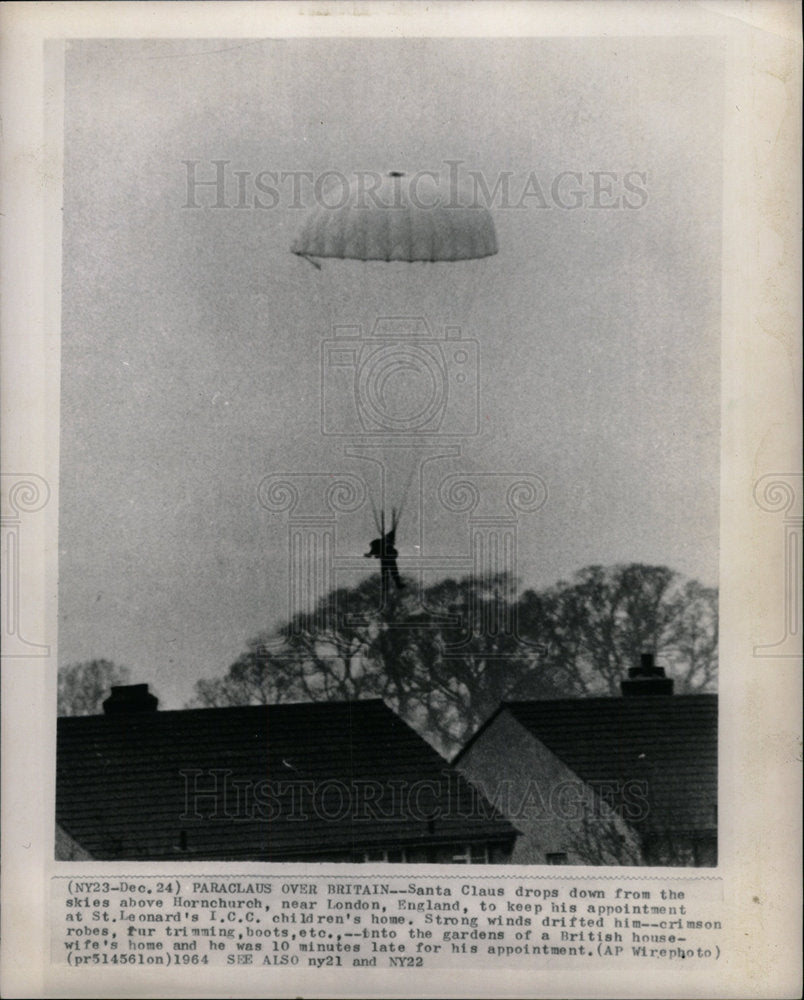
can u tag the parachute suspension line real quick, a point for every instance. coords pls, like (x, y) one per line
(377, 521)
(472, 281)
(321, 284)
(401, 506)
(310, 260)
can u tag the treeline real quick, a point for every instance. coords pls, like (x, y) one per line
(445, 656)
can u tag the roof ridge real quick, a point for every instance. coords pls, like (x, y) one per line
(275, 706)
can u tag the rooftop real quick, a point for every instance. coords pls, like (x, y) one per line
(669, 742)
(262, 783)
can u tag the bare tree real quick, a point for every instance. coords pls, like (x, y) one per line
(468, 663)
(441, 658)
(321, 655)
(82, 687)
(690, 641)
(596, 626)
(600, 839)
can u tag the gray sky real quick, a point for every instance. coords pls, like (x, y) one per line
(192, 337)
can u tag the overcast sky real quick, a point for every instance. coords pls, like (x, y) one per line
(192, 337)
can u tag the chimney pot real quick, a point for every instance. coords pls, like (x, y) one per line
(128, 698)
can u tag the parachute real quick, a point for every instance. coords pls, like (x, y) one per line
(400, 218)
(397, 244)
(397, 261)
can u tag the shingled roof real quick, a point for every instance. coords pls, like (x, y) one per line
(670, 743)
(286, 781)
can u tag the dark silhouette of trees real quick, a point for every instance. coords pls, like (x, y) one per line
(597, 625)
(445, 658)
(82, 687)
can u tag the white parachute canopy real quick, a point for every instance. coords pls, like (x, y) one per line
(398, 262)
(399, 244)
(397, 218)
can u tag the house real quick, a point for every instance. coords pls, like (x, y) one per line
(628, 780)
(314, 782)
(67, 849)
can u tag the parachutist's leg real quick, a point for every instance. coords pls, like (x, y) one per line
(385, 581)
(400, 584)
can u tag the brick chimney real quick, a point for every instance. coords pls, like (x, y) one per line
(128, 698)
(646, 679)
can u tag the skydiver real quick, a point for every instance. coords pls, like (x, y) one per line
(384, 549)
